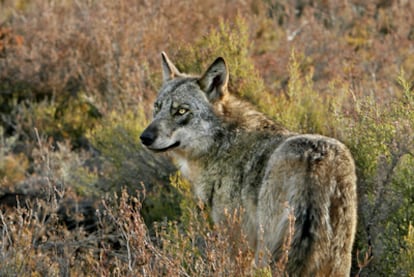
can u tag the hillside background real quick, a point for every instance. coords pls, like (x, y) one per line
(78, 194)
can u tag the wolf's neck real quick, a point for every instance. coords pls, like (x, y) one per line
(242, 115)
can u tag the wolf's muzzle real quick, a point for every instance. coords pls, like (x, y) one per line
(148, 136)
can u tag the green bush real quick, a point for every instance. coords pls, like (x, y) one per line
(381, 140)
(230, 41)
(406, 256)
(126, 164)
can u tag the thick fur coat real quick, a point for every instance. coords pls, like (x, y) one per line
(237, 159)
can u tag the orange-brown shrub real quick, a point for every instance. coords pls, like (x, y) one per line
(70, 68)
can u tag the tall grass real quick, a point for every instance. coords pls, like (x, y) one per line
(79, 196)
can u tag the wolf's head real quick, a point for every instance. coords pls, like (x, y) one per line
(184, 118)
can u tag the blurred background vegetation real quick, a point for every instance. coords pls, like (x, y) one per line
(79, 196)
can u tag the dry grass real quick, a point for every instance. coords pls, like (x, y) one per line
(77, 79)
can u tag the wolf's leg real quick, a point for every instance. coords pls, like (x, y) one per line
(283, 183)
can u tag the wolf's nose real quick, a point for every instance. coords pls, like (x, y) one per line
(147, 138)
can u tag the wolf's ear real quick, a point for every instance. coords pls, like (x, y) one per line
(214, 80)
(169, 71)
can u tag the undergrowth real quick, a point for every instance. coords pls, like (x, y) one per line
(79, 195)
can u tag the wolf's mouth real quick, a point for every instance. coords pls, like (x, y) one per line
(166, 148)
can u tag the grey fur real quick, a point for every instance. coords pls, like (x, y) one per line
(238, 159)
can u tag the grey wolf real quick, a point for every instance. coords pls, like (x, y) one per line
(238, 159)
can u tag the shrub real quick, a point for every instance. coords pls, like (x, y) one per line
(406, 257)
(131, 166)
(380, 138)
(76, 79)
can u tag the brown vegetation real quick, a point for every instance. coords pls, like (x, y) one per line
(76, 82)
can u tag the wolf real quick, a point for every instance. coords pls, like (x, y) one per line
(238, 159)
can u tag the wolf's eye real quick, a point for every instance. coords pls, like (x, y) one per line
(182, 111)
(156, 108)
